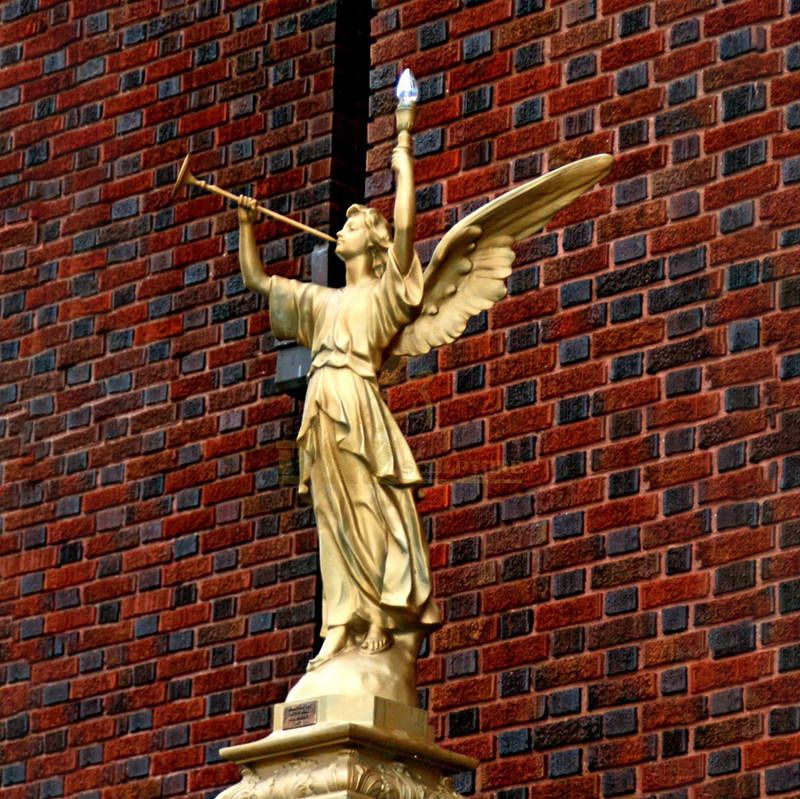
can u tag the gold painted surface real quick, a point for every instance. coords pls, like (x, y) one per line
(355, 465)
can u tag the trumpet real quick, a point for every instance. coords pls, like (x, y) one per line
(185, 177)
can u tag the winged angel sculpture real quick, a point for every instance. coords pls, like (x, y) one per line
(354, 462)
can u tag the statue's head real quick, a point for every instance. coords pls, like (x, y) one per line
(366, 231)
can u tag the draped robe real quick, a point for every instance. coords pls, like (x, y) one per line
(353, 457)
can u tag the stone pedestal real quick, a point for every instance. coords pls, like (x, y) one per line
(346, 747)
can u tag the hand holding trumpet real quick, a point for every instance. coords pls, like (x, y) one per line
(248, 212)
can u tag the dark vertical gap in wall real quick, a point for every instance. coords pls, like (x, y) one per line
(349, 142)
(350, 116)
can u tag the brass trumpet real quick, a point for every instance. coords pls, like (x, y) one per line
(187, 178)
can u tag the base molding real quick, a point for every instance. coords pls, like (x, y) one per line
(390, 756)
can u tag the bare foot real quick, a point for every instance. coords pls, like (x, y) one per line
(376, 640)
(335, 641)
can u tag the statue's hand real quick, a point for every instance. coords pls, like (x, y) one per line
(248, 213)
(402, 160)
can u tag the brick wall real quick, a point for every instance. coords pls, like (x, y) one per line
(615, 507)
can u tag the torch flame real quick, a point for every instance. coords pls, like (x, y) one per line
(407, 91)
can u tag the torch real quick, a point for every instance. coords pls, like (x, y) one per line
(406, 111)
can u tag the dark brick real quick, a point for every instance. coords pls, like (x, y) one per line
(784, 720)
(622, 541)
(744, 335)
(674, 681)
(724, 761)
(514, 742)
(725, 702)
(674, 742)
(626, 366)
(679, 559)
(744, 157)
(570, 466)
(582, 66)
(735, 577)
(684, 32)
(623, 484)
(571, 731)
(743, 100)
(733, 639)
(686, 381)
(569, 583)
(634, 21)
(684, 263)
(564, 763)
(674, 619)
(632, 78)
(620, 722)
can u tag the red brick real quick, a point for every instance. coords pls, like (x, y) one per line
(529, 27)
(420, 392)
(735, 16)
(569, 612)
(527, 83)
(747, 68)
(574, 381)
(739, 485)
(642, 217)
(683, 61)
(515, 652)
(462, 692)
(694, 173)
(626, 337)
(480, 18)
(767, 753)
(673, 712)
(633, 49)
(678, 771)
(570, 266)
(520, 421)
(734, 546)
(673, 590)
(570, 495)
(735, 133)
(683, 234)
(521, 365)
(579, 95)
(733, 671)
(632, 106)
(742, 245)
(581, 38)
(621, 513)
(511, 771)
(573, 436)
(526, 139)
(756, 182)
(683, 409)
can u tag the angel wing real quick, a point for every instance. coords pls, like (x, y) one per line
(469, 266)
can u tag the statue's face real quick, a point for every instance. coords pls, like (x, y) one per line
(353, 238)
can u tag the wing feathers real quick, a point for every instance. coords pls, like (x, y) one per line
(469, 267)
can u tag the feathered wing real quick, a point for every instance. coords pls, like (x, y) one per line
(469, 267)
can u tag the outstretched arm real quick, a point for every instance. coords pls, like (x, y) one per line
(255, 278)
(405, 211)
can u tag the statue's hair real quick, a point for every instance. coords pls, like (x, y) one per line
(379, 235)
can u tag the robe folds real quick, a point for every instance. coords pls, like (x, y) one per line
(354, 461)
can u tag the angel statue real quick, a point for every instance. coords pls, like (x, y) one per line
(354, 462)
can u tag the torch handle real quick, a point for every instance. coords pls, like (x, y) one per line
(273, 214)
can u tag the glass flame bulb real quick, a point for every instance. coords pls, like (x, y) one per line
(407, 91)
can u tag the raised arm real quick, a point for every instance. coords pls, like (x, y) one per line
(255, 278)
(405, 209)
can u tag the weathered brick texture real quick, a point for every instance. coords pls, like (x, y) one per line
(613, 450)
